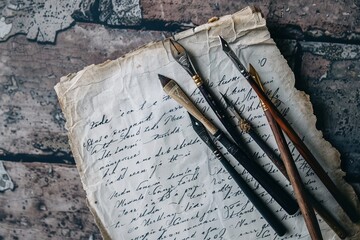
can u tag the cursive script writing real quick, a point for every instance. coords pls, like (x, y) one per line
(147, 174)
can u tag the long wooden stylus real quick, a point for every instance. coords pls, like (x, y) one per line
(285, 152)
(292, 172)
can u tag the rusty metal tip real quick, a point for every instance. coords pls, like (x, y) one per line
(251, 68)
(163, 80)
(252, 71)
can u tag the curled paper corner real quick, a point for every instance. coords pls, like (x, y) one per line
(5, 180)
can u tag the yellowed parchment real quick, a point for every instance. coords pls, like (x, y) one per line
(146, 173)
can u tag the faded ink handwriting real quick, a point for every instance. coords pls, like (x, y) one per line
(104, 120)
(159, 179)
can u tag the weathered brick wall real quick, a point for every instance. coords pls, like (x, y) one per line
(319, 40)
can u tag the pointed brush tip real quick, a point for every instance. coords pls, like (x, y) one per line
(163, 80)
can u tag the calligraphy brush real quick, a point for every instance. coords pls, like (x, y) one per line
(292, 175)
(264, 179)
(346, 205)
(264, 210)
(180, 55)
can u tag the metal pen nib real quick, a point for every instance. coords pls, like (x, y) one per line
(180, 55)
(226, 48)
(203, 134)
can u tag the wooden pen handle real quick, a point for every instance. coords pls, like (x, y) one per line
(345, 204)
(319, 208)
(295, 180)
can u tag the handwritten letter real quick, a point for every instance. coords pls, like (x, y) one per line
(146, 173)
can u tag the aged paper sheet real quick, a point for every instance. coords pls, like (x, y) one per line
(146, 173)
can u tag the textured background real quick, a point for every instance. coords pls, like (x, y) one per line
(40, 41)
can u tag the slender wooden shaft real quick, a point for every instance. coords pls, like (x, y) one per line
(280, 139)
(320, 209)
(295, 180)
(346, 205)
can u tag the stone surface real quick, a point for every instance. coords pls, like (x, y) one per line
(40, 20)
(331, 19)
(5, 180)
(111, 12)
(32, 125)
(330, 74)
(48, 202)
